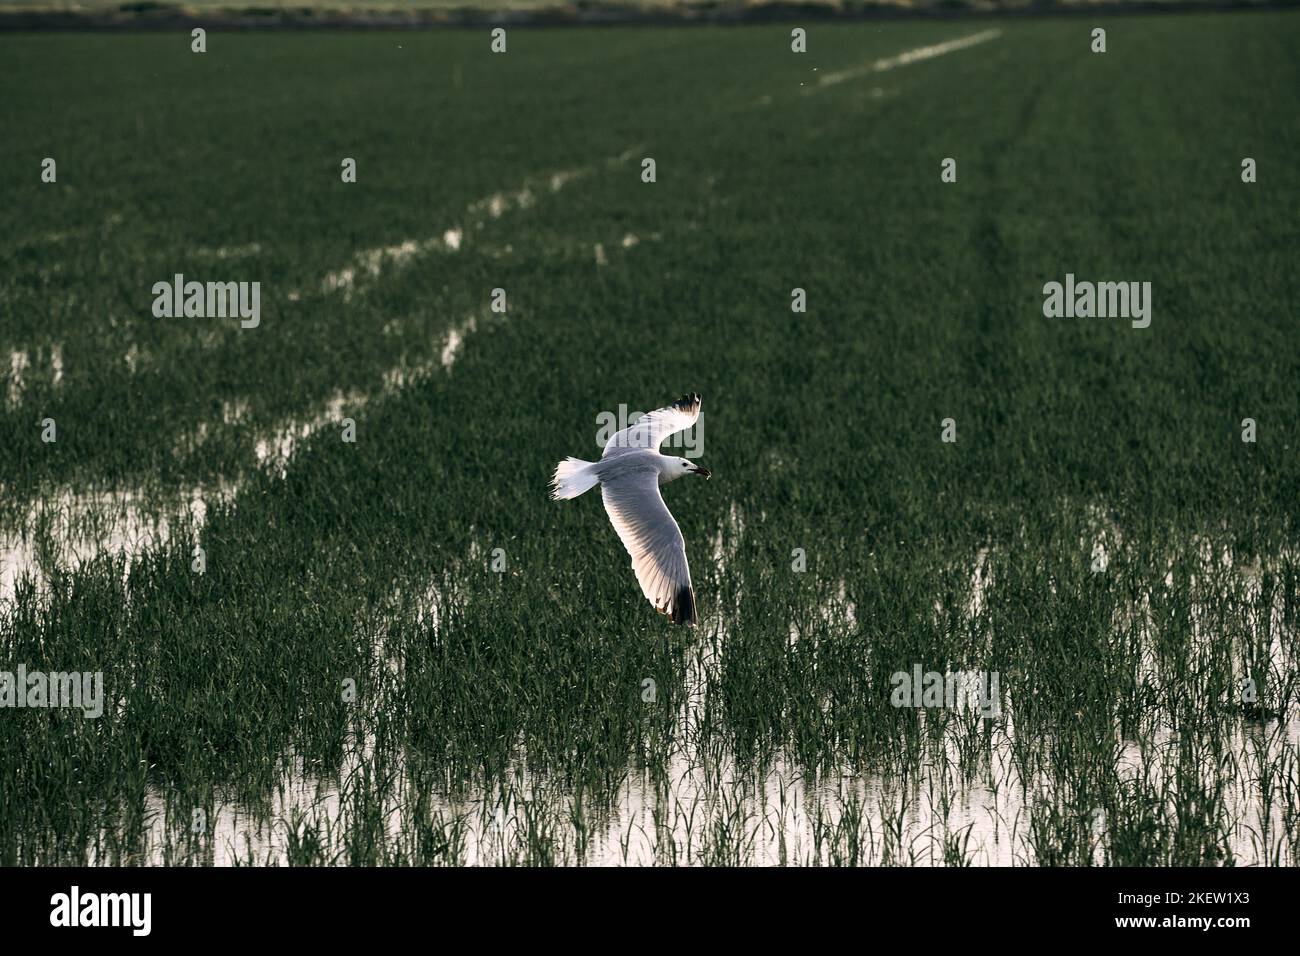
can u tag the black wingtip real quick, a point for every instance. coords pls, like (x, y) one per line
(688, 403)
(684, 607)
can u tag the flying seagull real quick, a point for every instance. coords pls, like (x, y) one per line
(629, 473)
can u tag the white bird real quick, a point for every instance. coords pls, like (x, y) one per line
(629, 473)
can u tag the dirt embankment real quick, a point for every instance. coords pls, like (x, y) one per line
(153, 15)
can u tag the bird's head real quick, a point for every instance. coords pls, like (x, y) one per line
(690, 468)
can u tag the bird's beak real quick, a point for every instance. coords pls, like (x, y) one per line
(702, 471)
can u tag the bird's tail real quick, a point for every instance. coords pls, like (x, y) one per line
(573, 476)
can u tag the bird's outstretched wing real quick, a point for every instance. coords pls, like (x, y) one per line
(652, 538)
(649, 431)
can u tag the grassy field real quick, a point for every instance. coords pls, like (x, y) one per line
(1099, 535)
